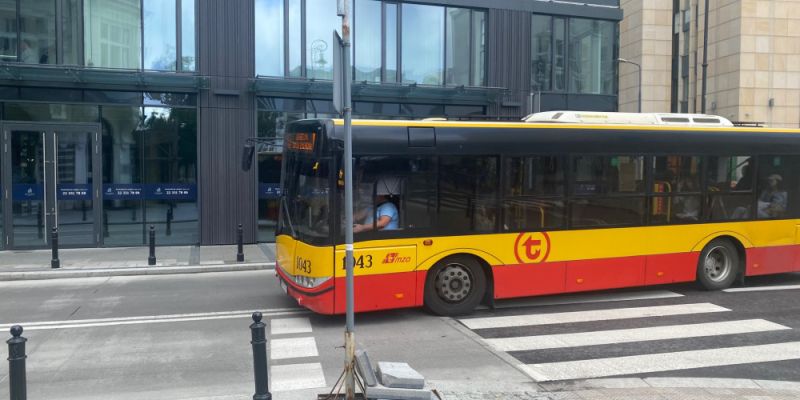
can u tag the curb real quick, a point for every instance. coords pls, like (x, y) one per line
(132, 271)
(668, 382)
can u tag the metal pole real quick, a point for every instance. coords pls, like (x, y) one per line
(151, 260)
(55, 262)
(349, 334)
(705, 61)
(259, 342)
(239, 244)
(16, 364)
(639, 76)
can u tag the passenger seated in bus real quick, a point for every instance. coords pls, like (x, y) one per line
(386, 214)
(772, 201)
(688, 207)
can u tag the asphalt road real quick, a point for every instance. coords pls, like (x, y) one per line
(187, 336)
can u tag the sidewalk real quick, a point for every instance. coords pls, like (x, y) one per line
(81, 263)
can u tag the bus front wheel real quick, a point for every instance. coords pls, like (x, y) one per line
(718, 265)
(454, 286)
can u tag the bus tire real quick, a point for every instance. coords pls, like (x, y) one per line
(718, 266)
(454, 286)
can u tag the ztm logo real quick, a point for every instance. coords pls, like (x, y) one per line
(531, 248)
(395, 258)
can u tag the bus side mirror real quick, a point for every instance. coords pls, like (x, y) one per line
(247, 156)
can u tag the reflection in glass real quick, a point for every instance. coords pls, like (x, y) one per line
(423, 44)
(478, 48)
(159, 35)
(50, 112)
(269, 37)
(621, 211)
(368, 40)
(71, 32)
(8, 30)
(391, 42)
(559, 54)
(675, 209)
(591, 56)
(123, 220)
(541, 36)
(187, 36)
(75, 171)
(295, 40)
(27, 181)
(112, 31)
(37, 32)
(321, 21)
(529, 213)
(458, 46)
(170, 157)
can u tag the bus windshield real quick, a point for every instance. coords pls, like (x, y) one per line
(305, 205)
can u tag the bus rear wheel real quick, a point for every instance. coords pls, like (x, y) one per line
(454, 286)
(718, 265)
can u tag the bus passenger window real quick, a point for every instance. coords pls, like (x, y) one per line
(730, 187)
(468, 187)
(777, 186)
(534, 197)
(676, 190)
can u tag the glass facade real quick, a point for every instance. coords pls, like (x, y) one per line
(146, 169)
(574, 55)
(159, 26)
(434, 45)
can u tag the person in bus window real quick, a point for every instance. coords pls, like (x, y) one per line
(386, 215)
(688, 206)
(772, 200)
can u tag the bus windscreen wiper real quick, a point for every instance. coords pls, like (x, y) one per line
(286, 215)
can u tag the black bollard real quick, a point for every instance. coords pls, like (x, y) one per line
(169, 221)
(16, 364)
(239, 244)
(259, 342)
(39, 224)
(105, 224)
(55, 262)
(151, 260)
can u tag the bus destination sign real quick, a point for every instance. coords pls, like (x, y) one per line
(300, 141)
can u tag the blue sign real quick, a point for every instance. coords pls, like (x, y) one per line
(74, 191)
(26, 192)
(269, 190)
(150, 191)
(122, 192)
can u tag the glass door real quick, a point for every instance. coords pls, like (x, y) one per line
(52, 174)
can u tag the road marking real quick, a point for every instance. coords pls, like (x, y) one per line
(285, 326)
(594, 315)
(762, 288)
(152, 319)
(585, 298)
(296, 376)
(596, 368)
(616, 336)
(280, 349)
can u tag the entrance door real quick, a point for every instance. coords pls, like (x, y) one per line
(52, 179)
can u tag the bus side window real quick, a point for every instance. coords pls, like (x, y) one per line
(534, 197)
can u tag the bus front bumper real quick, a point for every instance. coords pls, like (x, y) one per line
(319, 299)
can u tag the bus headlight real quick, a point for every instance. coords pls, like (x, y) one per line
(309, 282)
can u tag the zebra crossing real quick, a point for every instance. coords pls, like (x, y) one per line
(612, 342)
(294, 358)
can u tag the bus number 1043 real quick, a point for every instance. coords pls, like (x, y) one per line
(361, 261)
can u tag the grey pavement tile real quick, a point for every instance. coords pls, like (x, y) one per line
(779, 385)
(702, 383)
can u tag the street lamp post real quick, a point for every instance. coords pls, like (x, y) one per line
(639, 71)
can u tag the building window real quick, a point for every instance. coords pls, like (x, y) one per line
(434, 45)
(139, 34)
(582, 49)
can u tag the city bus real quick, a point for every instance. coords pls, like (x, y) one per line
(561, 202)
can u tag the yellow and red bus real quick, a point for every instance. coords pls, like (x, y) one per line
(497, 210)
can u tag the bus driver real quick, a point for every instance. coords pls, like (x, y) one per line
(386, 212)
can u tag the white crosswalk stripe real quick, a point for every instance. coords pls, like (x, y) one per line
(542, 342)
(293, 376)
(595, 315)
(548, 350)
(602, 367)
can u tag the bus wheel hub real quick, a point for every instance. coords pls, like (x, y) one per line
(453, 283)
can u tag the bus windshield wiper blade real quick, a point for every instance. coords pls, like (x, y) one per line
(287, 216)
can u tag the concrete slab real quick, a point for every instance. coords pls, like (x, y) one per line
(365, 369)
(399, 375)
(384, 393)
